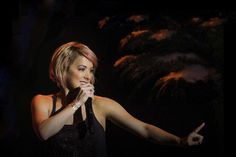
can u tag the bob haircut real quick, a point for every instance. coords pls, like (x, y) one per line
(64, 56)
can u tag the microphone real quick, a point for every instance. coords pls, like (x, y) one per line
(73, 94)
(89, 113)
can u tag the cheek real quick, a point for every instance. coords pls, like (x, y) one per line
(76, 79)
(73, 80)
(92, 81)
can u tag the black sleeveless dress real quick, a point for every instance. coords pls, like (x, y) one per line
(76, 140)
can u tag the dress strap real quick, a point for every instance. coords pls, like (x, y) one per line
(54, 99)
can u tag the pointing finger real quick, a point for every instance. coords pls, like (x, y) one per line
(199, 128)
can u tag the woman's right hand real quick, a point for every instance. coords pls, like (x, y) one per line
(86, 91)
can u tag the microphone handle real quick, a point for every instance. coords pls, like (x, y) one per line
(89, 114)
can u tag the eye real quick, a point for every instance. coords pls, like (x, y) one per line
(92, 70)
(81, 69)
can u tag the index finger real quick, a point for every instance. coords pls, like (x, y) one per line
(199, 128)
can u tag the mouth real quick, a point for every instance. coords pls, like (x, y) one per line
(83, 82)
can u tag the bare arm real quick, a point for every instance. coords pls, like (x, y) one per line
(117, 114)
(160, 136)
(44, 125)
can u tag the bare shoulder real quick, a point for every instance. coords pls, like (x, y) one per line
(42, 101)
(106, 105)
(41, 98)
(104, 101)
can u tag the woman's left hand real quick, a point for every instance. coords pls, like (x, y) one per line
(194, 138)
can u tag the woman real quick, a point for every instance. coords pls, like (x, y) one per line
(63, 124)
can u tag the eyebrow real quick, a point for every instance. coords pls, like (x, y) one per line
(85, 66)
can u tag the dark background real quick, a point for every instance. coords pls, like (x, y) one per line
(37, 28)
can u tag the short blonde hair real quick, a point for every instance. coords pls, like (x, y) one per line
(64, 56)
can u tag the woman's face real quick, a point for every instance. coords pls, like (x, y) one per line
(80, 72)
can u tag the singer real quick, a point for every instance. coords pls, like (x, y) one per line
(76, 126)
